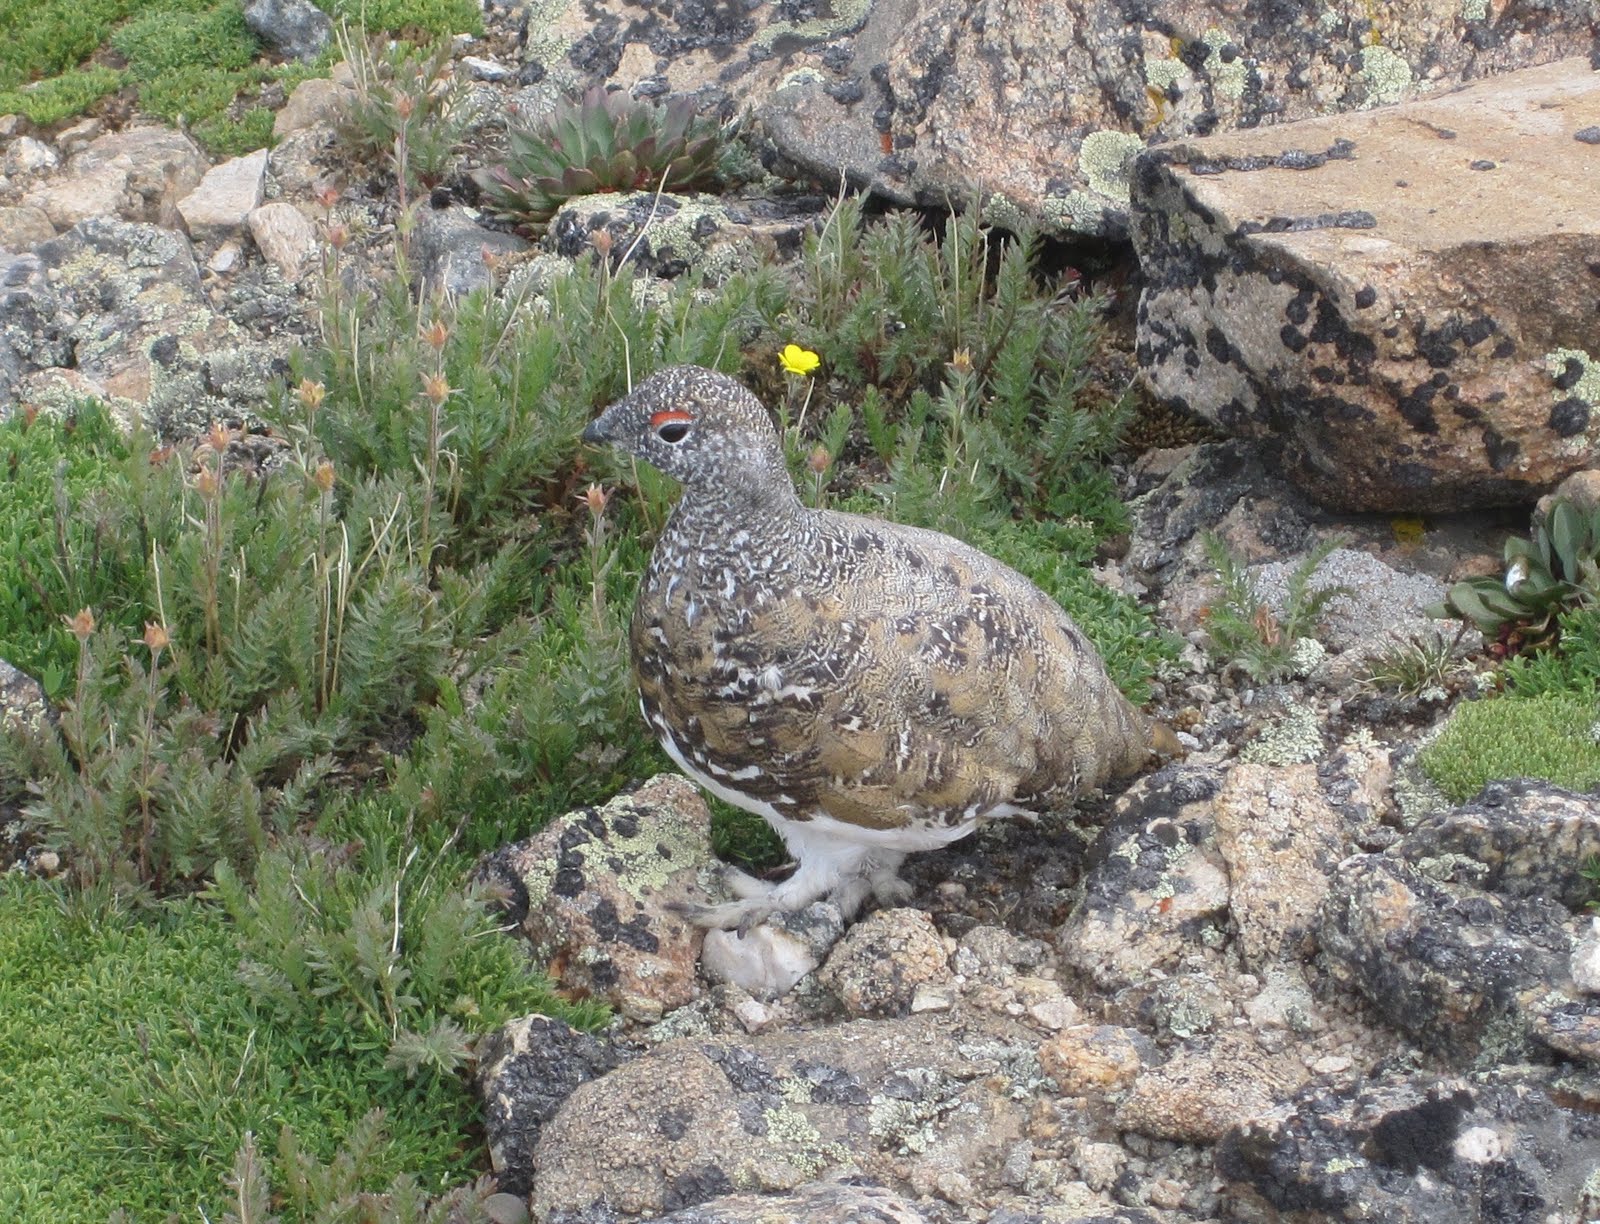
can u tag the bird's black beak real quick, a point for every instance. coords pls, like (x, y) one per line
(594, 435)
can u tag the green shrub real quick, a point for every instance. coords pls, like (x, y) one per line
(60, 97)
(60, 549)
(161, 41)
(1551, 736)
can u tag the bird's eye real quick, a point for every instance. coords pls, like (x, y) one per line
(671, 427)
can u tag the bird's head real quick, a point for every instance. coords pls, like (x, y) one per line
(702, 428)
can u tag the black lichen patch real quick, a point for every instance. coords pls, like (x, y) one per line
(1409, 1139)
(1569, 417)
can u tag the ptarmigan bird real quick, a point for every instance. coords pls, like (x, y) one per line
(870, 689)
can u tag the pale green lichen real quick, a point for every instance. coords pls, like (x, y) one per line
(1341, 1164)
(1387, 75)
(542, 45)
(1104, 159)
(802, 76)
(1228, 78)
(795, 1090)
(1293, 739)
(1305, 656)
(1163, 74)
(804, 1149)
(1077, 211)
(844, 18)
(1474, 10)
(1587, 388)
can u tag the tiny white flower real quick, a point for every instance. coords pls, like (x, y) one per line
(1516, 575)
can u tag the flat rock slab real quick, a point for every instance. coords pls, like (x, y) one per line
(1409, 297)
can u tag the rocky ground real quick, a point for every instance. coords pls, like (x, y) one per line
(1276, 980)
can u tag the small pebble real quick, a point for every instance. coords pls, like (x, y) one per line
(931, 999)
(1331, 1064)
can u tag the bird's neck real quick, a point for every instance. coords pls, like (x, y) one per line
(756, 506)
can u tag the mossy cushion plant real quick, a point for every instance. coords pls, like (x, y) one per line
(1554, 736)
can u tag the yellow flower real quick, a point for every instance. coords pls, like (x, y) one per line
(797, 360)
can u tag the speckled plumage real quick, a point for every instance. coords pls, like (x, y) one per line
(867, 687)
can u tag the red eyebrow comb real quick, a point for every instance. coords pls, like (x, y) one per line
(658, 419)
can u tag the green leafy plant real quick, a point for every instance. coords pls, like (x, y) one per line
(1571, 665)
(1555, 570)
(1245, 631)
(1424, 666)
(597, 143)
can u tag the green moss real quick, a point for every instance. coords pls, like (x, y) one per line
(1552, 736)
(135, 1065)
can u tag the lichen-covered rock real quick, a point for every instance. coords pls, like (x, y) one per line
(1377, 603)
(1522, 838)
(593, 891)
(295, 29)
(669, 234)
(902, 1101)
(1095, 1060)
(137, 174)
(32, 334)
(1154, 881)
(1199, 1093)
(1401, 296)
(525, 1071)
(839, 1200)
(884, 960)
(1281, 841)
(1451, 966)
(143, 336)
(1414, 1150)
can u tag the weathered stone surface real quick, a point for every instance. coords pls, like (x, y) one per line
(1095, 1059)
(295, 29)
(1414, 1151)
(1523, 838)
(1200, 1093)
(592, 893)
(32, 335)
(1034, 105)
(218, 207)
(883, 960)
(25, 155)
(1281, 842)
(525, 1071)
(138, 174)
(313, 102)
(285, 236)
(1154, 880)
(1403, 297)
(22, 229)
(1379, 603)
(1440, 962)
(841, 1200)
(454, 251)
(906, 1102)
